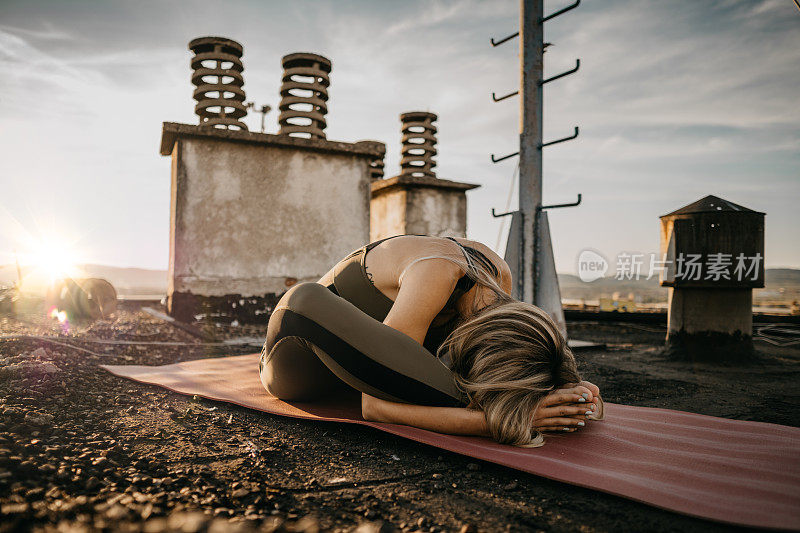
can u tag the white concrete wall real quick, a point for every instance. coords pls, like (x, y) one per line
(246, 217)
(418, 209)
(387, 214)
(434, 211)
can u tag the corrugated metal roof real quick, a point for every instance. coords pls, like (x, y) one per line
(711, 204)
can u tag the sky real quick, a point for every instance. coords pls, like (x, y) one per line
(675, 100)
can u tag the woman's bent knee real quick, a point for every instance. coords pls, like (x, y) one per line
(292, 371)
(305, 294)
(294, 300)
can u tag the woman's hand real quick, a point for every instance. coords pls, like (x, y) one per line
(568, 408)
(595, 390)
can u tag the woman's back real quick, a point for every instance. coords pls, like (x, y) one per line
(387, 258)
(370, 277)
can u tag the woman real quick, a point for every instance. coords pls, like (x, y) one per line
(426, 329)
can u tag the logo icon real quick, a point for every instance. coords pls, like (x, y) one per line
(591, 266)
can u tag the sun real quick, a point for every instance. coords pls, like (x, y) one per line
(45, 250)
(54, 259)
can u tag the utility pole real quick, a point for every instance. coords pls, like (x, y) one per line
(529, 251)
(531, 50)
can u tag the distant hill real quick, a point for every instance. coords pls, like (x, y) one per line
(781, 283)
(783, 276)
(127, 281)
(131, 280)
(648, 290)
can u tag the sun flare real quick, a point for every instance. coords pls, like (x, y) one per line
(53, 259)
(45, 250)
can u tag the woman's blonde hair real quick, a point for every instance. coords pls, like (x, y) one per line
(506, 356)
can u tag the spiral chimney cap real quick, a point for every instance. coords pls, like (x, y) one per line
(302, 58)
(212, 41)
(418, 115)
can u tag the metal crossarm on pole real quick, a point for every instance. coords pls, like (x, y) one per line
(567, 73)
(563, 139)
(503, 158)
(501, 98)
(559, 206)
(560, 11)
(501, 41)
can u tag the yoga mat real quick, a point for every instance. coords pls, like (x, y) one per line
(732, 471)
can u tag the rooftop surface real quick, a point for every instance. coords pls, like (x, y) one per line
(82, 448)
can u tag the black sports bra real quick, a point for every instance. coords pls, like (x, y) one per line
(465, 283)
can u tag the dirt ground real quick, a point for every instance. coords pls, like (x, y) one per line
(83, 450)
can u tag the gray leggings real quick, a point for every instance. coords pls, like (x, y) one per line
(318, 343)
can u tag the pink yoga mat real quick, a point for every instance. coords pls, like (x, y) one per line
(731, 471)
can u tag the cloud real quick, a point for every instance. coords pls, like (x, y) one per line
(48, 32)
(675, 100)
(78, 145)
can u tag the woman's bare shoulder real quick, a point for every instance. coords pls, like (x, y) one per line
(488, 252)
(505, 271)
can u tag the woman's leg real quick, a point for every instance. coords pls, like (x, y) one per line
(315, 336)
(291, 370)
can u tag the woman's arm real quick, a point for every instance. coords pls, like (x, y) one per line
(568, 408)
(425, 289)
(451, 420)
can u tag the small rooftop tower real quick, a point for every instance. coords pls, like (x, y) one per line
(416, 201)
(714, 257)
